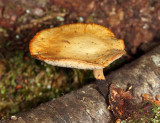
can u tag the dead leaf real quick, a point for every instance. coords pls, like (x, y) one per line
(124, 105)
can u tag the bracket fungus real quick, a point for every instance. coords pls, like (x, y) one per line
(82, 46)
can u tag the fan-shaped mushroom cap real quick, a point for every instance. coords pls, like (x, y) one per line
(83, 46)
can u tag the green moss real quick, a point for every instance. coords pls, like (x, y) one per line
(153, 117)
(26, 82)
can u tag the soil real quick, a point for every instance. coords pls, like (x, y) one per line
(134, 21)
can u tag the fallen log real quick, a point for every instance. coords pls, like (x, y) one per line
(88, 105)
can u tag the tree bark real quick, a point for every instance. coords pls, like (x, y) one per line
(88, 105)
(142, 75)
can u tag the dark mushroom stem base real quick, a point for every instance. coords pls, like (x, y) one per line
(101, 82)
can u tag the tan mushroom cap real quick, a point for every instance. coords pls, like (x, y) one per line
(83, 46)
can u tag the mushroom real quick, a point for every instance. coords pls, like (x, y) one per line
(82, 46)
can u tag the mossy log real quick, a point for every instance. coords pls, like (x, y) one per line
(88, 105)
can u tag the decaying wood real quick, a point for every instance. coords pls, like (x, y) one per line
(141, 76)
(87, 105)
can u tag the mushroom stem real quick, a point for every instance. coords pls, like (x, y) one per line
(98, 74)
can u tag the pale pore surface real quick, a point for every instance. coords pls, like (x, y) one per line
(88, 43)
